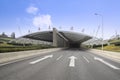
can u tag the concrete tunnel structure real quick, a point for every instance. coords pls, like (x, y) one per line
(60, 38)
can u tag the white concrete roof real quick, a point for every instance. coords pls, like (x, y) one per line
(47, 36)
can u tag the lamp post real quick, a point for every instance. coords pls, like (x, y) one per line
(101, 26)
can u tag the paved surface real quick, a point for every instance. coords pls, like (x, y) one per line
(108, 54)
(70, 64)
(10, 56)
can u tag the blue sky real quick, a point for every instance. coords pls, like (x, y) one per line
(19, 16)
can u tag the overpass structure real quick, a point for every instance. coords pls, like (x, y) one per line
(60, 38)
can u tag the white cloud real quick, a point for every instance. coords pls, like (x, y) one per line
(32, 10)
(42, 21)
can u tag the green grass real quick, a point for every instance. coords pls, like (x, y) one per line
(5, 47)
(110, 48)
(12, 48)
(5, 39)
(114, 41)
(114, 46)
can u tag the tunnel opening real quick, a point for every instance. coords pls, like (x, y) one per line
(74, 45)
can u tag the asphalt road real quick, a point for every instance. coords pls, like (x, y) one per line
(70, 64)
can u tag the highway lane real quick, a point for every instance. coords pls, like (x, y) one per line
(69, 64)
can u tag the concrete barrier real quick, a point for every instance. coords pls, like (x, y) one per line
(7, 57)
(108, 54)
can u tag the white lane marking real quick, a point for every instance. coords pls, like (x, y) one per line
(86, 59)
(72, 61)
(36, 61)
(106, 63)
(59, 57)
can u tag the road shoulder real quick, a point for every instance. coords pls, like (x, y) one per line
(115, 56)
(16, 56)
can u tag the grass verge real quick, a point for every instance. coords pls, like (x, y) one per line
(13, 48)
(110, 48)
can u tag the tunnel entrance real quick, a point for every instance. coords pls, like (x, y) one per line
(74, 45)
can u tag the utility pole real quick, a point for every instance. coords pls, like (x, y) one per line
(101, 27)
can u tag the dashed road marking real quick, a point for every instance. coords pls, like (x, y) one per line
(86, 59)
(59, 57)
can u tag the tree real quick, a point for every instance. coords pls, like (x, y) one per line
(13, 35)
(4, 35)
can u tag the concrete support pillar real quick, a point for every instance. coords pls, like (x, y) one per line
(55, 37)
(58, 39)
(65, 44)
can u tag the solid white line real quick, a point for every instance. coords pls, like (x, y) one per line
(59, 57)
(36, 61)
(106, 63)
(86, 59)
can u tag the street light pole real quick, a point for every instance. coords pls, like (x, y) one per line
(101, 27)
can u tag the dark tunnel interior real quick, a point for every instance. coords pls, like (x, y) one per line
(74, 45)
